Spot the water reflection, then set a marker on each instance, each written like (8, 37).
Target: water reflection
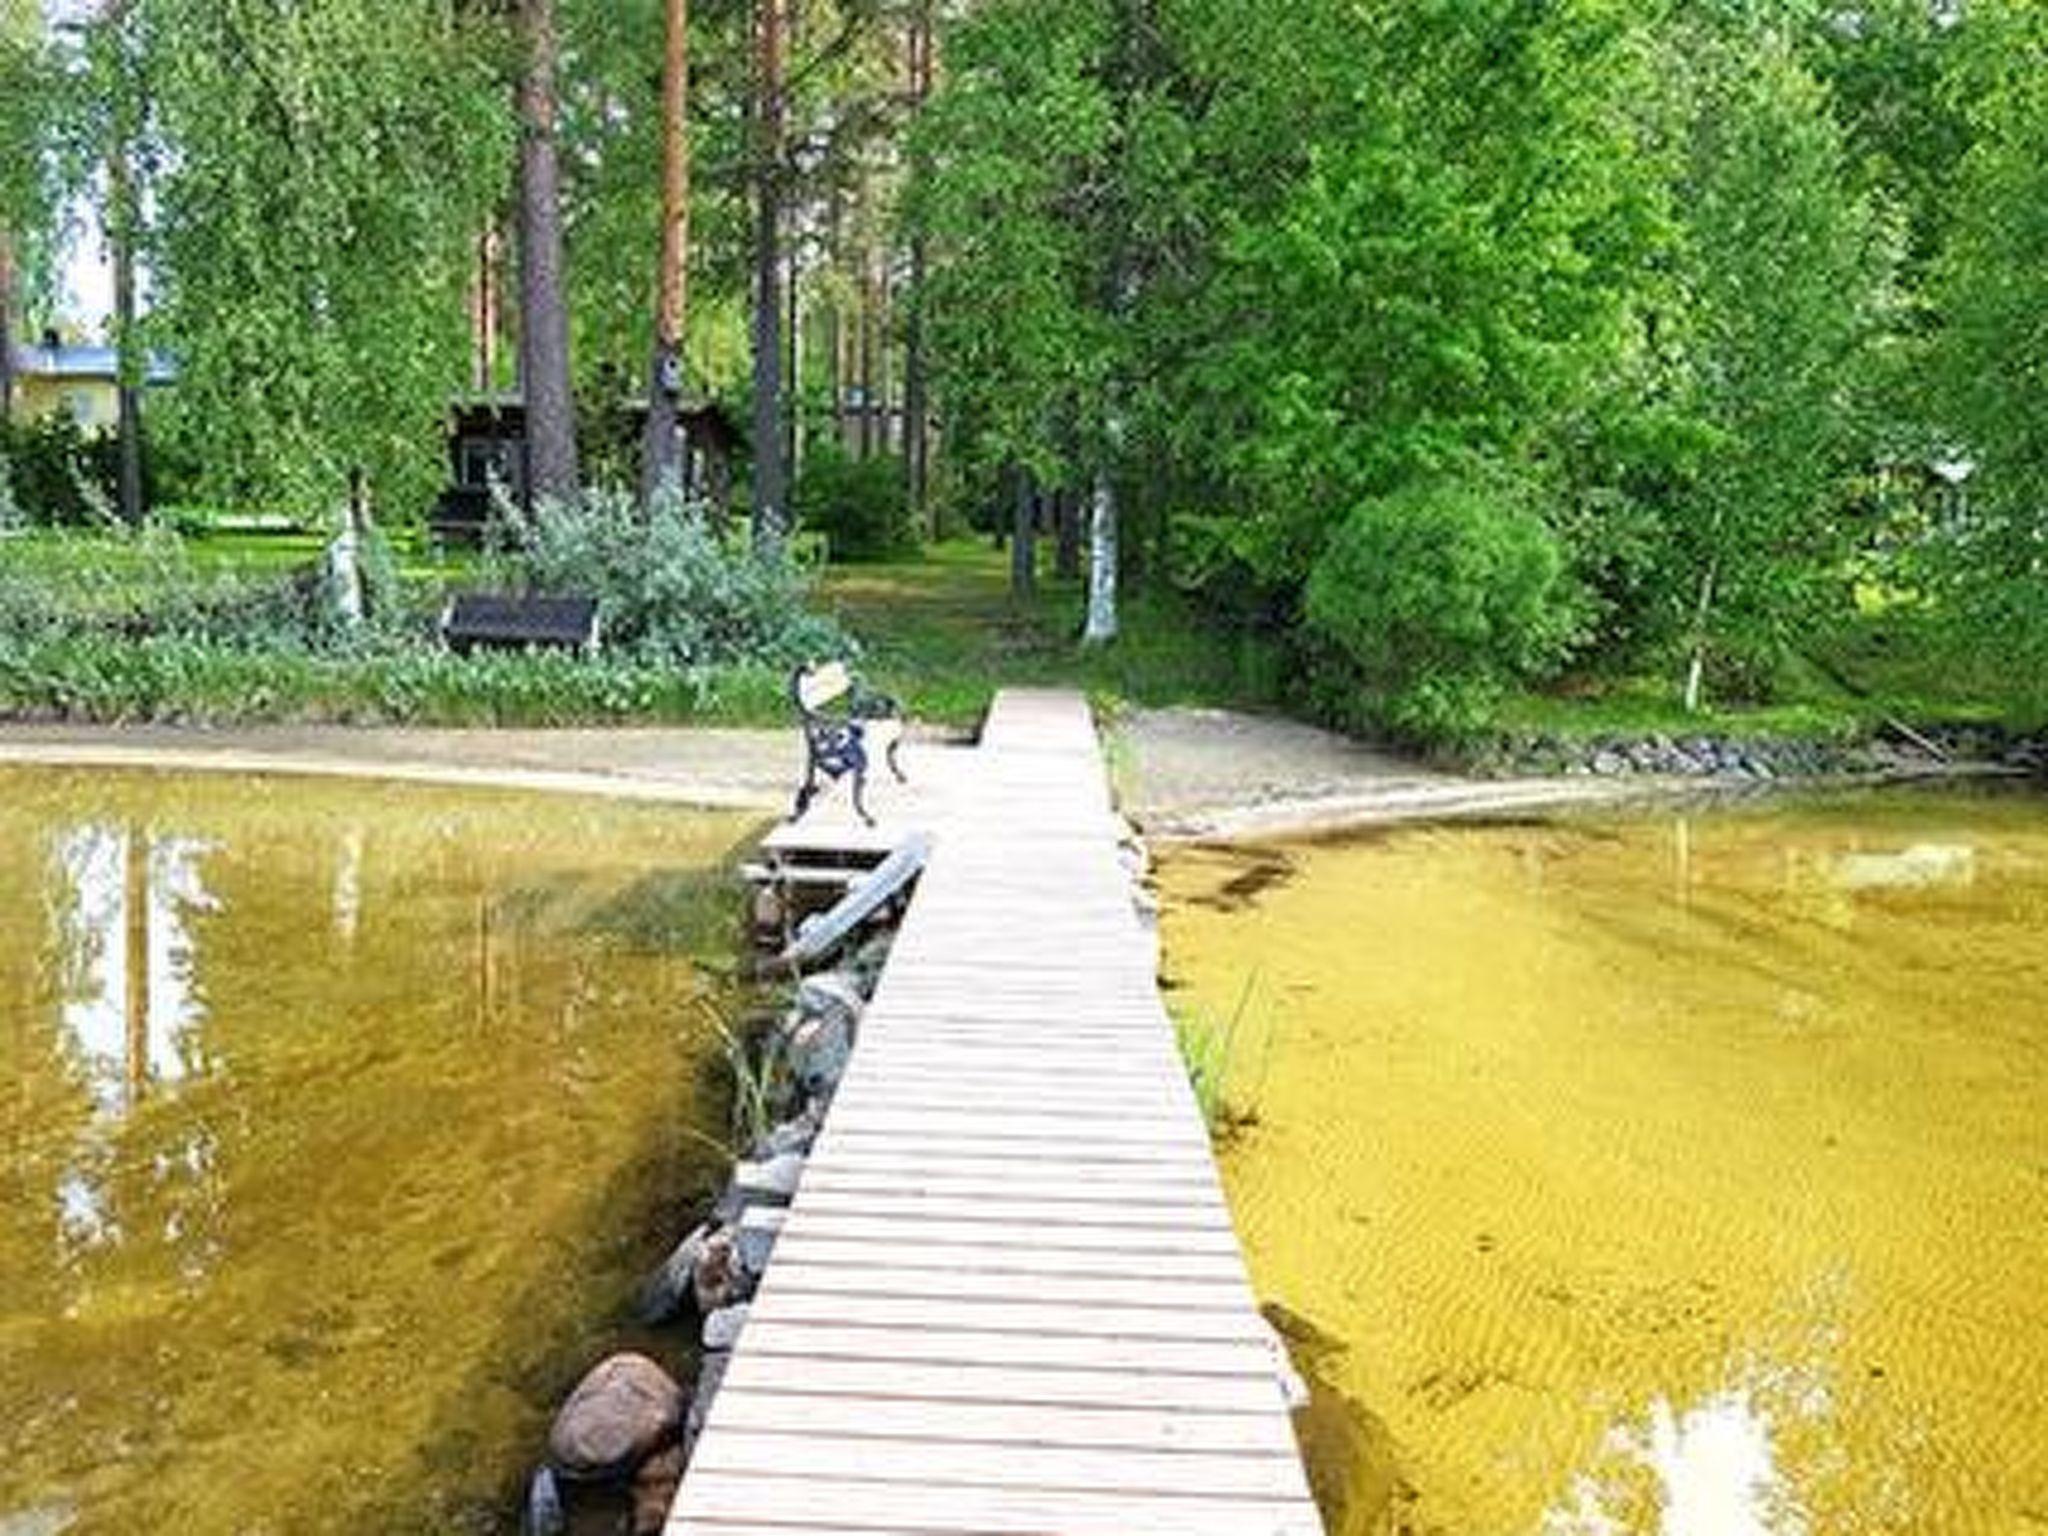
(122, 903)
(331, 1119)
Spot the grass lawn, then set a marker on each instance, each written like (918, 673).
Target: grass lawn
(942, 632)
(1883, 667)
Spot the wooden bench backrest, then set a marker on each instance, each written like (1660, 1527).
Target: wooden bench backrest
(818, 686)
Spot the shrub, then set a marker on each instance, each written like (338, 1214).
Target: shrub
(859, 505)
(59, 472)
(1431, 602)
(672, 591)
(144, 583)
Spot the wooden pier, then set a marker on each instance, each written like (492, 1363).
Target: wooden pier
(1007, 1298)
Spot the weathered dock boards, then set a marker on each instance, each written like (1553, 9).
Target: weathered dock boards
(1008, 1298)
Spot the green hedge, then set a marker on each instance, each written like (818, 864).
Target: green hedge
(177, 679)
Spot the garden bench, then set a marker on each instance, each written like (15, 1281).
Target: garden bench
(519, 621)
(839, 714)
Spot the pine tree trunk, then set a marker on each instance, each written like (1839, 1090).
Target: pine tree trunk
(1023, 542)
(770, 477)
(916, 406)
(1067, 547)
(793, 365)
(135, 960)
(543, 302)
(661, 459)
(1101, 625)
(123, 218)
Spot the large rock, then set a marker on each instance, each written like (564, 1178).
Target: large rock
(818, 1050)
(624, 1411)
(831, 994)
(544, 1514)
(772, 1182)
(654, 1490)
(796, 1134)
(868, 961)
(719, 1280)
(710, 1377)
(758, 1229)
(722, 1328)
(664, 1292)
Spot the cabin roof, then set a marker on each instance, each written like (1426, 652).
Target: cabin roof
(85, 362)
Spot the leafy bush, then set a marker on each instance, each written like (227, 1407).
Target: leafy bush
(143, 584)
(59, 472)
(1431, 602)
(178, 678)
(860, 505)
(672, 591)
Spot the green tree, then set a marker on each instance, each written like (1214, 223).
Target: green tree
(1782, 272)
(1991, 358)
(1438, 223)
(26, 198)
(319, 172)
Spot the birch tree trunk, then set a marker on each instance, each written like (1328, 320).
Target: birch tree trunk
(1696, 664)
(661, 455)
(1102, 555)
(544, 371)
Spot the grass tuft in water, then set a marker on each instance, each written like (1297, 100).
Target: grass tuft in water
(1214, 1050)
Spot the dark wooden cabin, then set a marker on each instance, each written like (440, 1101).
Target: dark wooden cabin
(487, 448)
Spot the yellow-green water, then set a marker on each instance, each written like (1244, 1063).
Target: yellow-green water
(1684, 1175)
(336, 1122)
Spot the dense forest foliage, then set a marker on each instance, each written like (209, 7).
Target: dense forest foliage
(1439, 347)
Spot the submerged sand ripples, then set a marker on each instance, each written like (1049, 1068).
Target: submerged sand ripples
(1656, 1176)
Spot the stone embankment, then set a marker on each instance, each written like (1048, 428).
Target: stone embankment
(620, 1441)
(1898, 751)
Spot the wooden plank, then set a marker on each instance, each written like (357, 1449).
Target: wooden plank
(1030, 1184)
(1019, 1152)
(755, 1503)
(1142, 1429)
(1017, 1125)
(1008, 1236)
(848, 1156)
(867, 1456)
(797, 1272)
(1042, 1321)
(819, 1245)
(1054, 1215)
(970, 1381)
(1109, 1356)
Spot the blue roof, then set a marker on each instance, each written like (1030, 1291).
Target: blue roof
(68, 362)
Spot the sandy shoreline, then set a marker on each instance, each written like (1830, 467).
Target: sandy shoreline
(1182, 775)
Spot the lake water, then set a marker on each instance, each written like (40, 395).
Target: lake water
(336, 1122)
(1670, 1174)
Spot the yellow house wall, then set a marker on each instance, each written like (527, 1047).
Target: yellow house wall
(91, 401)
